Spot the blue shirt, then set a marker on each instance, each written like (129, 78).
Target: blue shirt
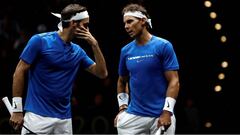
(146, 65)
(54, 65)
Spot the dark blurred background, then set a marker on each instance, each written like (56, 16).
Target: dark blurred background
(208, 57)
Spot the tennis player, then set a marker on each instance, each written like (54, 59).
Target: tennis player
(150, 66)
(51, 61)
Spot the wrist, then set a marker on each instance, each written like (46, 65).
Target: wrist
(94, 44)
(167, 112)
(17, 104)
(123, 99)
(123, 107)
(169, 104)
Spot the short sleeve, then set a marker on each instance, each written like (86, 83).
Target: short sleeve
(32, 49)
(86, 61)
(122, 68)
(170, 61)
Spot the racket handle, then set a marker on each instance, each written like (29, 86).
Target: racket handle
(7, 104)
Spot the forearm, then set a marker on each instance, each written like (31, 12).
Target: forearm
(101, 68)
(173, 89)
(17, 92)
(122, 90)
(18, 84)
(171, 96)
(19, 78)
(122, 86)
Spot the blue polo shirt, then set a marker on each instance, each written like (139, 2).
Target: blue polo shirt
(146, 65)
(54, 65)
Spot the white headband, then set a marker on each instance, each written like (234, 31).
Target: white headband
(138, 14)
(78, 16)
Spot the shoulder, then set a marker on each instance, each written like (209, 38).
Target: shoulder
(35, 39)
(128, 46)
(160, 40)
(162, 43)
(46, 40)
(39, 37)
(77, 48)
(48, 35)
(45, 34)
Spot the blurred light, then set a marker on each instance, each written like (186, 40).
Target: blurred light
(218, 26)
(221, 76)
(223, 38)
(218, 88)
(213, 15)
(208, 124)
(207, 3)
(224, 64)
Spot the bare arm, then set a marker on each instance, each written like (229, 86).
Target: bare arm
(172, 91)
(122, 87)
(19, 78)
(22, 68)
(99, 68)
(122, 84)
(173, 84)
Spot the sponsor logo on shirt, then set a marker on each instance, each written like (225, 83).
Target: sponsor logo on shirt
(141, 57)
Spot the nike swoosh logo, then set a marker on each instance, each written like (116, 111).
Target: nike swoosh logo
(15, 105)
(168, 104)
(122, 97)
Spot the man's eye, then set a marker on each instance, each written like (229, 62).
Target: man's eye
(129, 21)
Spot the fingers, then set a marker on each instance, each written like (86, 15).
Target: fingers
(16, 121)
(115, 122)
(164, 128)
(16, 125)
(82, 33)
(82, 30)
(164, 123)
(116, 119)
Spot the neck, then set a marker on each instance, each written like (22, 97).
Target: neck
(65, 35)
(143, 38)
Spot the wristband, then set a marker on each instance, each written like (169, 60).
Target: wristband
(169, 104)
(122, 99)
(17, 104)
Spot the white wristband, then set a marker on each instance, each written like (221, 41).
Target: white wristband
(17, 104)
(169, 104)
(122, 99)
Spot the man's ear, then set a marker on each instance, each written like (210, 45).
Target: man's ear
(144, 20)
(73, 23)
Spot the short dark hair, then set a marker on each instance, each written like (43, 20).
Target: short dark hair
(69, 11)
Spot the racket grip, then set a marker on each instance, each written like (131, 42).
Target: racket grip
(7, 104)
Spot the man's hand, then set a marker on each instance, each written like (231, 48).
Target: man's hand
(165, 119)
(84, 33)
(121, 109)
(16, 120)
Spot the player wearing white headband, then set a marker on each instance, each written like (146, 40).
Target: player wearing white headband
(150, 67)
(78, 16)
(51, 61)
